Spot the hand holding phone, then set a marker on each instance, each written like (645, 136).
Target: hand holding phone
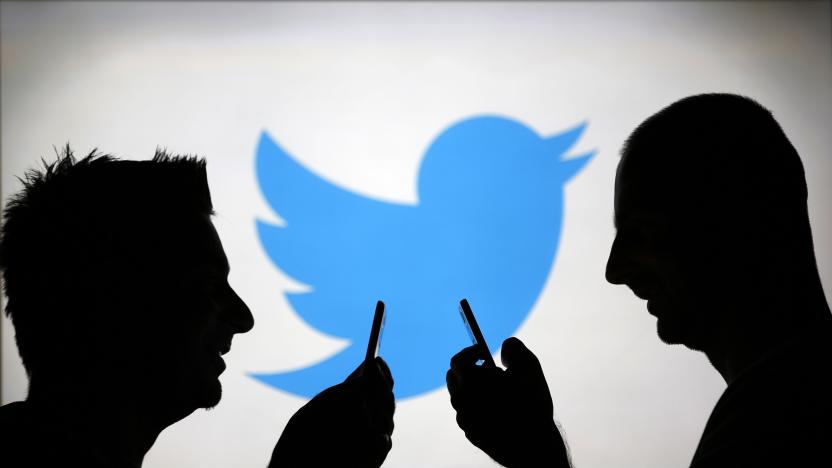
(348, 424)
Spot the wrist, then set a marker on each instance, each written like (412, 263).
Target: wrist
(544, 448)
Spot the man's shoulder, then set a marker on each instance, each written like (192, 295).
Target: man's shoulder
(13, 418)
(16, 433)
(12, 409)
(28, 442)
(776, 412)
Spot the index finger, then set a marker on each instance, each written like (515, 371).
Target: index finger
(467, 357)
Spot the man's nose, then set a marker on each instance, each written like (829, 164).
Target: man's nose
(239, 315)
(616, 263)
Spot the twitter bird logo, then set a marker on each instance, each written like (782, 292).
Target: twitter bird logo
(486, 226)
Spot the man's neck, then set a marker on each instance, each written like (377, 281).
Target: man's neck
(740, 347)
(731, 361)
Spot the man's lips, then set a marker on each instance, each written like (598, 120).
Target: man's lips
(217, 352)
(218, 364)
(224, 346)
(648, 294)
(217, 360)
(640, 291)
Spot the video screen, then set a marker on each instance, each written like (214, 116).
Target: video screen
(416, 153)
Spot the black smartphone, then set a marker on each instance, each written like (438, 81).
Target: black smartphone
(375, 331)
(474, 332)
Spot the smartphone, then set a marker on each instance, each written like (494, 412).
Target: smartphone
(375, 332)
(474, 332)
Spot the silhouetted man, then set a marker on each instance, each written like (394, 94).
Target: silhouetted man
(713, 231)
(117, 288)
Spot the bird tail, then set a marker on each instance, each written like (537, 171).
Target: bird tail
(570, 167)
(561, 143)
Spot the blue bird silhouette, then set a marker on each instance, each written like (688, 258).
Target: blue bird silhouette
(486, 227)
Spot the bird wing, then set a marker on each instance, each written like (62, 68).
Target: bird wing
(335, 240)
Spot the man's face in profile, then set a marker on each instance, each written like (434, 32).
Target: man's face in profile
(656, 253)
(200, 314)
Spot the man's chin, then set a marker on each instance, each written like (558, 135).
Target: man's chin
(675, 333)
(667, 334)
(210, 395)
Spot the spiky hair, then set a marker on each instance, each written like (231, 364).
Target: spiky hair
(79, 224)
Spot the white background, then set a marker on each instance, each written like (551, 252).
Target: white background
(356, 92)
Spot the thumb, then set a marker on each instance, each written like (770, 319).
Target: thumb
(524, 366)
(516, 355)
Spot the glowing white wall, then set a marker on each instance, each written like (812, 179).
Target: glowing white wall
(356, 91)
